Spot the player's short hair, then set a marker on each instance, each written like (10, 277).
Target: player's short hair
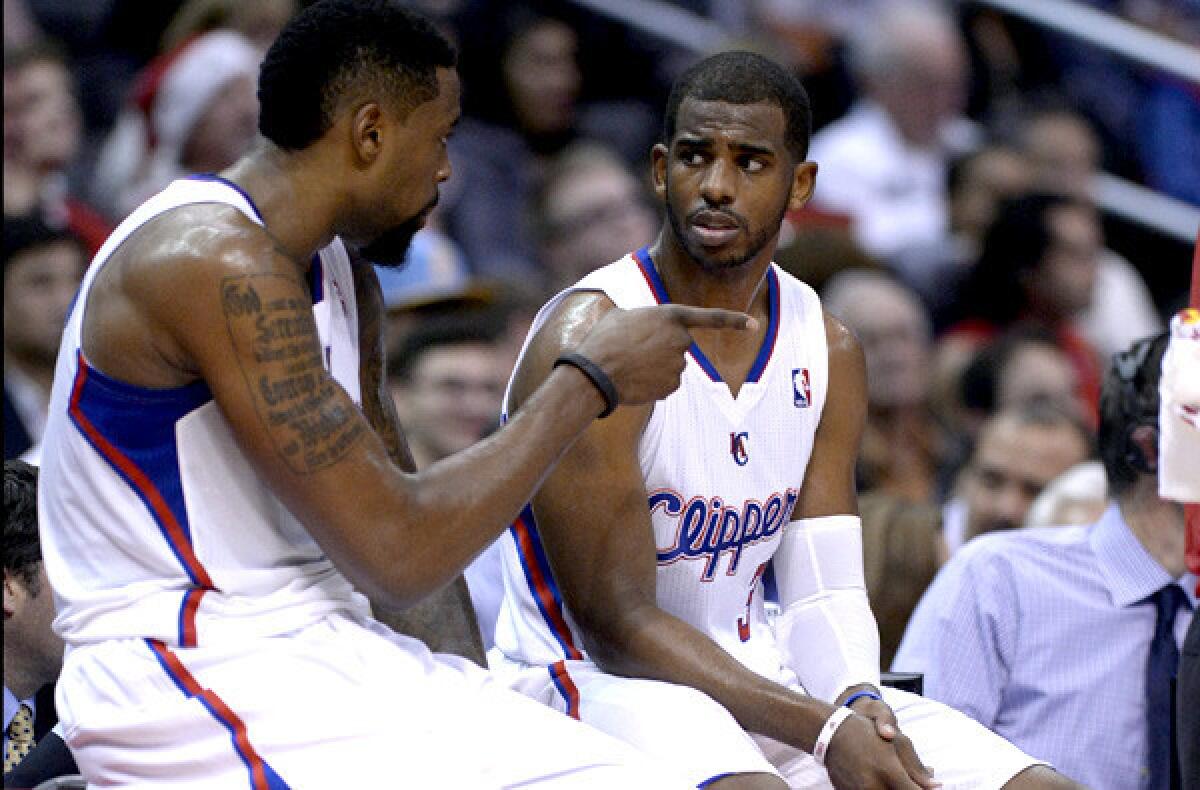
(741, 77)
(338, 48)
(22, 553)
(1129, 398)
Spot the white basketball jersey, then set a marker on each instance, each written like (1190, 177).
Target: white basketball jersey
(721, 474)
(153, 523)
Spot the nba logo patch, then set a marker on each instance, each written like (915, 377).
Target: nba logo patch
(801, 394)
(737, 447)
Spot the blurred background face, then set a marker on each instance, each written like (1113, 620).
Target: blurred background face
(42, 122)
(451, 399)
(990, 177)
(1064, 152)
(39, 285)
(1012, 463)
(543, 77)
(927, 88)
(225, 129)
(1037, 372)
(1064, 281)
(895, 338)
(594, 216)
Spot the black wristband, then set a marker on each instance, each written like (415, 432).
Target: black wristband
(597, 376)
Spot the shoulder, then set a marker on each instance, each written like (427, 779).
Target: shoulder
(174, 267)
(197, 239)
(1024, 556)
(562, 324)
(844, 348)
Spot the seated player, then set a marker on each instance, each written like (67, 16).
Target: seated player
(641, 558)
(224, 477)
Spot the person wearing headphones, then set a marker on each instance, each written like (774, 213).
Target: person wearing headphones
(1065, 640)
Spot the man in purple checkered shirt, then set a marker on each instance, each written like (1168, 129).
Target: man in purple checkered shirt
(1063, 639)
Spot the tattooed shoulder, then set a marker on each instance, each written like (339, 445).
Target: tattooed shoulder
(311, 421)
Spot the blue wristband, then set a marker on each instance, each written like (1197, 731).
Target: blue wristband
(859, 695)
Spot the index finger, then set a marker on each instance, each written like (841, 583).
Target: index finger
(710, 317)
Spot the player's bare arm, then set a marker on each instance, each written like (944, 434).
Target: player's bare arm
(594, 523)
(222, 303)
(445, 621)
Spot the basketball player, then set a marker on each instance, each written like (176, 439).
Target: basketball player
(642, 556)
(214, 500)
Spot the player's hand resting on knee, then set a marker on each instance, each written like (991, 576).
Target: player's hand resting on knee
(859, 759)
(889, 729)
(642, 350)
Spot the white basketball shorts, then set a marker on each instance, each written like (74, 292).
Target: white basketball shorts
(341, 703)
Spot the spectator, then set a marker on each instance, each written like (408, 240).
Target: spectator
(1008, 631)
(903, 447)
(523, 82)
(42, 270)
(193, 111)
(1038, 266)
(884, 163)
(1019, 452)
(42, 128)
(32, 651)
(1065, 153)
(258, 20)
(446, 385)
(977, 183)
(590, 211)
(447, 382)
(1022, 365)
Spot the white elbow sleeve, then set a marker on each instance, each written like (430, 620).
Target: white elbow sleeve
(826, 629)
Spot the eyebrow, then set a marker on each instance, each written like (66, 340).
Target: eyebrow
(741, 147)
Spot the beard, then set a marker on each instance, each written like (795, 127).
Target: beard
(390, 248)
(723, 263)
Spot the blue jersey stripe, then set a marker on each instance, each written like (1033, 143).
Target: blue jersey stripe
(134, 431)
(236, 188)
(659, 289)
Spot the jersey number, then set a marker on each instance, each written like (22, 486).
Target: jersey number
(743, 623)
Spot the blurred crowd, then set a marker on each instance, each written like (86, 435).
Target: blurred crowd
(954, 227)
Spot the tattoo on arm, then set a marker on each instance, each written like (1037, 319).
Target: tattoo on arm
(311, 422)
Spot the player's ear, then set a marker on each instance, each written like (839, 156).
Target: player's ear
(366, 131)
(804, 179)
(658, 164)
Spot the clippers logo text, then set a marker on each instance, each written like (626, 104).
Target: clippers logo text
(707, 528)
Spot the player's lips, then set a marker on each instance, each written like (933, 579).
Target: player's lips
(714, 228)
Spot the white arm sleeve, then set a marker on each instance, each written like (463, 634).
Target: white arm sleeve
(826, 629)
